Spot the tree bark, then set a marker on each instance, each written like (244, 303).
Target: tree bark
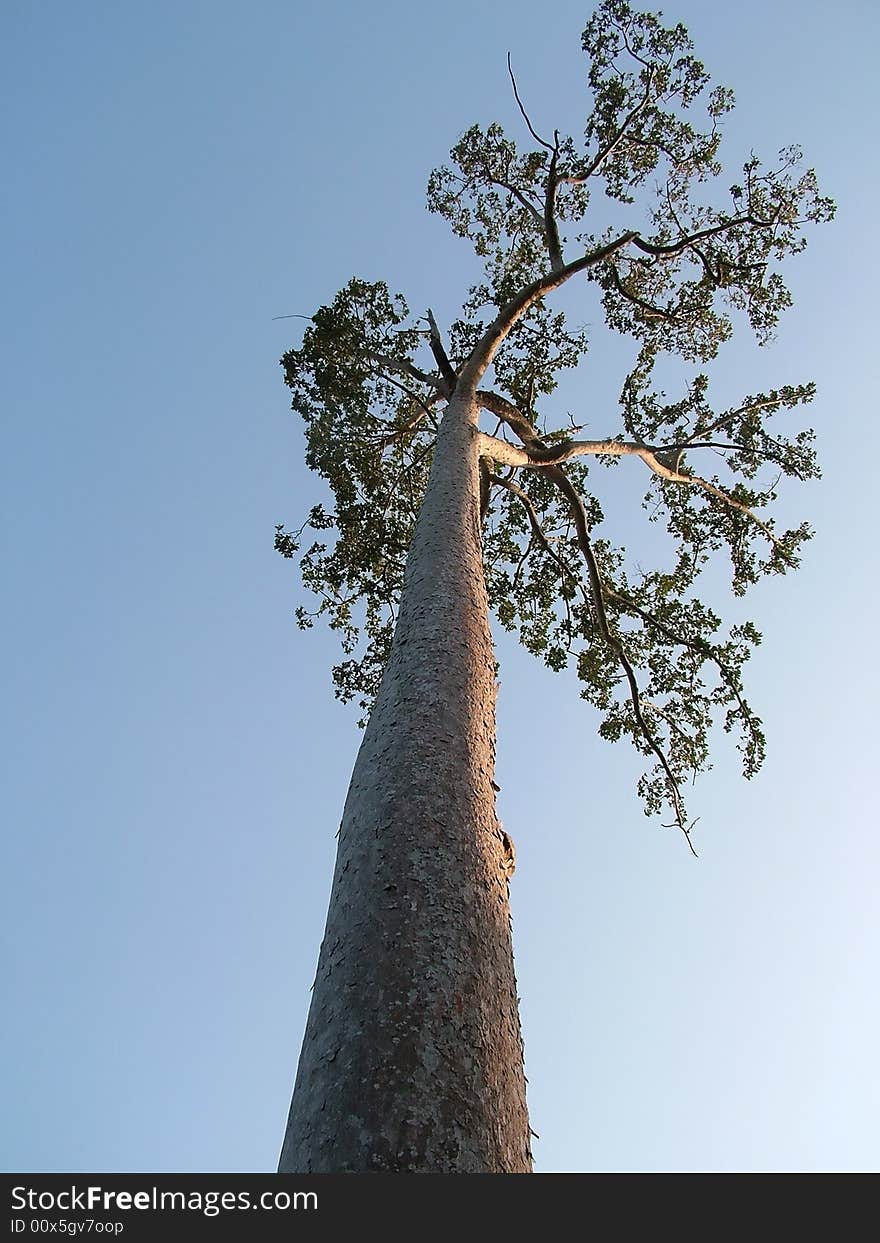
(412, 1058)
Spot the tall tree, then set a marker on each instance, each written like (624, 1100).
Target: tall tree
(412, 1058)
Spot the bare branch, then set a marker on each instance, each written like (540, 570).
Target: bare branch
(525, 115)
(547, 455)
(439, 351)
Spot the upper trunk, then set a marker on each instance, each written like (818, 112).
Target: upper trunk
(412, 1057)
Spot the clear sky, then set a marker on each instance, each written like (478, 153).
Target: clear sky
(175, 175)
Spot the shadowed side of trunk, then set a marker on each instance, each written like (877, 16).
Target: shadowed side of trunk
(412, 1057)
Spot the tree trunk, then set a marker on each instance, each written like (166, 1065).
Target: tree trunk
(412, 1057)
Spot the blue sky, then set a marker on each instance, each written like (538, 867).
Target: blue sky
(176, 175)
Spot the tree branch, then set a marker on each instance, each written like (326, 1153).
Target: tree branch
(551, 229)
(525, 115)
(525, 428)
(651, 311)
(520, 198)
(442, 358)
(538, 454)
(535, 523)
(702, 648)
(546, 455)
(412, 423)
(674, 476)
(516, 307)
(538, 534)
(403, 367)
(513, 310)
(613, 641)
(601, 156)
(750, 408)
(670, 249)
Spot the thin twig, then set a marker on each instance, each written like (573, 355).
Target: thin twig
(536, 137)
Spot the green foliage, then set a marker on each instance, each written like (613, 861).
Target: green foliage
(370, 436)
(674, 264)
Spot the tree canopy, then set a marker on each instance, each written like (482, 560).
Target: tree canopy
(638, 205)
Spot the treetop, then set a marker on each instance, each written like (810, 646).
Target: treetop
(677, 257)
